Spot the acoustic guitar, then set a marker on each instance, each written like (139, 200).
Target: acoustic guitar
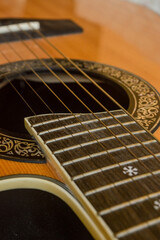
(79, 136)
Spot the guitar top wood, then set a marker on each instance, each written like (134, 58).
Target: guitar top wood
(117, 33)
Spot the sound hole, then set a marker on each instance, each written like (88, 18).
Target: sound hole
(38, 215)
(14, 108)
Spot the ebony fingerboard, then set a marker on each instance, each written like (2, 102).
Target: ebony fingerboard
(113, 162)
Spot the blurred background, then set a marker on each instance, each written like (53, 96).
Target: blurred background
(152, 4)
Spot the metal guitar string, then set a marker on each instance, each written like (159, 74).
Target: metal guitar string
(85, 74)
(66, 71)
(20, 94)
(22, 77)
(79, 69)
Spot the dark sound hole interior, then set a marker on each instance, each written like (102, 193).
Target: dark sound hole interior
(14, 109)
(38, 215)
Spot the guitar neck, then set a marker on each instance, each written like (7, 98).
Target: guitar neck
(111, 164)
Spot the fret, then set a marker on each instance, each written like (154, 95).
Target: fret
(89, 145)
(136, 213)
(70, 127)
(81, 140)
(155, 221)
(78, 128)
(85, 166)
(97, 133)
(148, 233)
(100, 131)
(69, 119)
(102, 160)
(99, 180)
(76, 151)
(78, 125)
(116, 169)
(114, 196)
(75, 120)
(105, 187)
(48, 118)
(124, 205)
(142, 135)
(75, 124)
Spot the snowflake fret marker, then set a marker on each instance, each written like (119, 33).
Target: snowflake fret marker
(157, 204)
(130, 171)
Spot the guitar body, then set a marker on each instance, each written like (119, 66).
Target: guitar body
(115, 33)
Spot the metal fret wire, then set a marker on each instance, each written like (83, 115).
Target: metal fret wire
(127, 129)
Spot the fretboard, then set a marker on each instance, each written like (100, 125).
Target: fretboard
(111, 164)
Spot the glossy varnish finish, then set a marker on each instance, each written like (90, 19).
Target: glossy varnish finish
(115, 32)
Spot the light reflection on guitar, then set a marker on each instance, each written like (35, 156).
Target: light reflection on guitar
(112, 34)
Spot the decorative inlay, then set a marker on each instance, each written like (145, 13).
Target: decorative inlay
(147, 102)
(157, 204)
(20, 148)
(147, 110)
(130, 171)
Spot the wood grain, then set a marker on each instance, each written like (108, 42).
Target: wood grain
(115, 32)
(105, 188)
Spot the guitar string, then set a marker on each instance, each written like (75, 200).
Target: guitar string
(80, 70)
(20, 95)
(115, 186)
(30, 37)
(22, 77)
(92, 80)
(88, 77)
(118, 139)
